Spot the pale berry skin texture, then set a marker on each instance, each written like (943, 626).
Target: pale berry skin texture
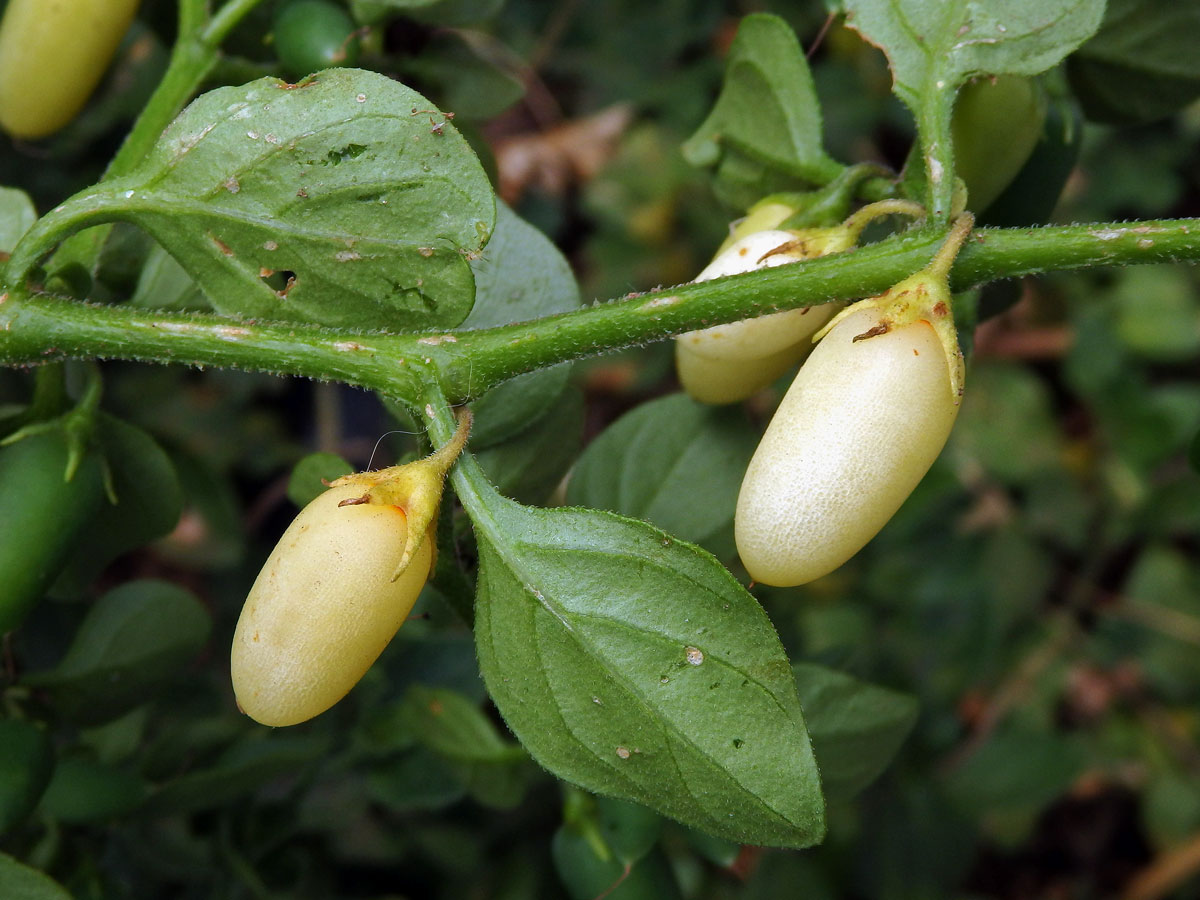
(858, 429)
(727, 363)
(324, 607)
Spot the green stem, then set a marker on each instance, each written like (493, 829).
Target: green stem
(937, 149)
(193, 56)
(41, 328)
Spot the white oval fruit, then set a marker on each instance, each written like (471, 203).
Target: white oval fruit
(858, 429)
(324, 607)
(727, 363)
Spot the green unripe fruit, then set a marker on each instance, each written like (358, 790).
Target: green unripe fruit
(43, 516)
(997, 123)
(311, 35)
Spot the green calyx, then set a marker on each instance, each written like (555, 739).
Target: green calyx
(921, 297)
(414, 487)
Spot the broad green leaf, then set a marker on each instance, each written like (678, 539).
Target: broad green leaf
(20, 882)
(648, 463)
(766, 123)
(149, 502)
(131, 642)
(520, 275)
(16, 215)
(634, 665)
(344, 200)
(309, 475)
(1142, 63)
(856, 728)
(26, 764)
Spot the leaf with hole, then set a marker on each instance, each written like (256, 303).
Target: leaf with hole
(345, 200)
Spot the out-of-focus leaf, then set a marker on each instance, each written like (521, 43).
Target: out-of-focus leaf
(451, 13)
(520, 275)
(587, 874)
(85, 791)
(20, 882)
(1141, 65)
(1158, 312)
(856, 728)
(245, 767)
(165, 284)
(135, 638)
(17, 213)
(149, 502)
(417, 780)
(26, 764)
(471, 84)
(531, 464)
(310, 474)
(1006, 424)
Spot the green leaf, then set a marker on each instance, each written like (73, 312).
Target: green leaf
(244, 767)
(17, 213)
(452, 13)
(149, 503)
(520, 276)
(634, 665)
(453, 726)
(464, 67)
(420, 780)
(529, 465)
(165, 284)
(19, 882)
(343, 200)
(131, 642)
(26, 764)
(309, 475)
(648, 463)
(856, 728)
(587, 875)
(1141, 65)
(935, 45)
(85, 791)
(766, 122)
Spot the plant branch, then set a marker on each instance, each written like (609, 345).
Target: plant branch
(36, 328)
(192, 58)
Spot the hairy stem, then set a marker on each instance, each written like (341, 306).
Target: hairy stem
(37, 328)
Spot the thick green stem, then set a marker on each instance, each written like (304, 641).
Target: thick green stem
(193, 56)
(937, 149)
(41, 328)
